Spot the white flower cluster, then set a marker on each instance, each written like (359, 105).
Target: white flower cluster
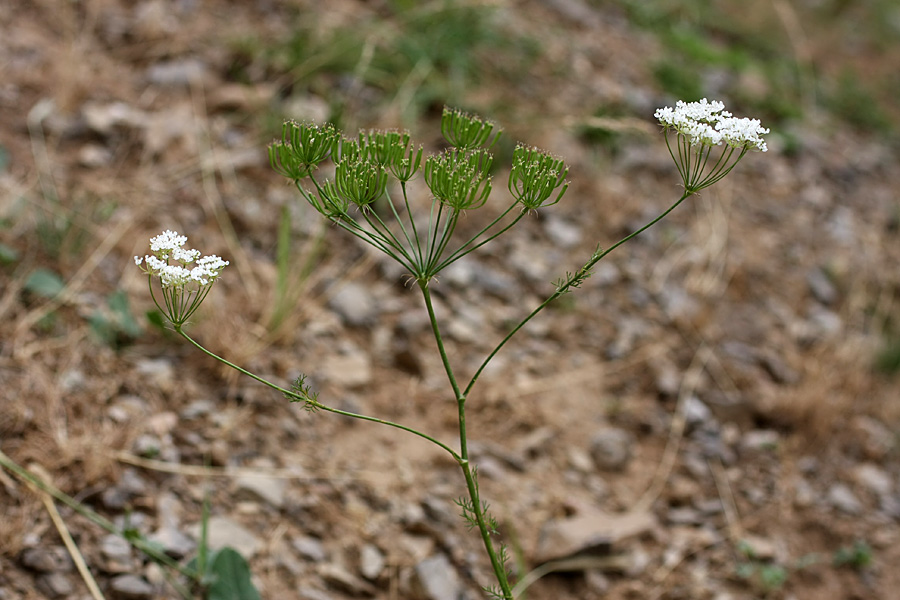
(709, 124)
(170, 246)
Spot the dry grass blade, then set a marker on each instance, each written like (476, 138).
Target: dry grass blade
(71, 546)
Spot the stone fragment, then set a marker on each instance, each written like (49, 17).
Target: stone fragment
(355, 304)
(350, 370)
(760, 440)
(222, 532)
(55, 585)
(117, 552)
(437, 579)
(563, 233)
(696, 413)
(611, 449)
(339, 577)
(46, 560)
(267, 489)
(821, 286)
(180, 72)
(131, 587)
(593, 532)
(873, 478)
(309, 548)
(371, 562)
(842, 498)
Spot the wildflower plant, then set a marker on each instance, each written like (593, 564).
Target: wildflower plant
(376, 167)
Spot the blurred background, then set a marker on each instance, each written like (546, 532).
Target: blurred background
(718, 404)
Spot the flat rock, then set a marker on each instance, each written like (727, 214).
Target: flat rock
(55, 585)
(437, 579)
(350, 370)
(873, 478)
(592, 532)
(222, 532)
(355, 304)
(267, 489)
(46, 560)
(339, 577)
(131, 587)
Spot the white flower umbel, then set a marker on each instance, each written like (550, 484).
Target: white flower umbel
(698, 128)
(183, 287)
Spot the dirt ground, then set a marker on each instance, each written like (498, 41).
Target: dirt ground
(712, 415)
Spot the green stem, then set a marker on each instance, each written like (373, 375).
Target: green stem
(562, 289)
(463, 460)
(314, 403)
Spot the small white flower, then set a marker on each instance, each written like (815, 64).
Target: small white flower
(707, 123)
(183, 288)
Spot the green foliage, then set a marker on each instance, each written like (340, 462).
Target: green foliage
(117, 324)
(417, 54)
(756, 61)
(8, 254)
(851, 100)
(857, 557)
(231, 577)
(226, 576)
(44, 283)
(888, 358)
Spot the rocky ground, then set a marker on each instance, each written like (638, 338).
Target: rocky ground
(702, 419)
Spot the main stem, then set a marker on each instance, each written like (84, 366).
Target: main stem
(463, 460)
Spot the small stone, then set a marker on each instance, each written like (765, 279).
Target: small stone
(371, 562)
(804, 495)
(222, 531)
(55, 585)
(437, 579)
(350, 370)
(181, 72)
(876, 439)
(696, 413)
(93, 156)
(684, 515)
(589, 532)
(760, 440)
(174, 543)
(309, 548)
(777, 368)
(611, 449)
(197, 409)
(115, 549)
(561, 232)
(46, 560)
(268, 489)
(873, 478)
(842, 498)
(131, 587)
(759, 548)
(580, 460)
(159, 372)
(821, 287)
(355, 304)
(339, 577)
